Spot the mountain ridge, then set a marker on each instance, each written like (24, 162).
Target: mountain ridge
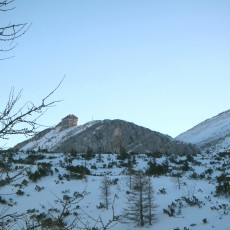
(106, 136)
(212, 133)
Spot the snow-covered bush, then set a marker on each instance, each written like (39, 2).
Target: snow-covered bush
(223, 187)
(43, 169)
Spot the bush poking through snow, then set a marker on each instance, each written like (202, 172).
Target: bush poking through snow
(205, 221)
(223, 187)
(43, 170)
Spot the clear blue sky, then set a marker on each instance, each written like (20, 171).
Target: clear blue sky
(162, 64)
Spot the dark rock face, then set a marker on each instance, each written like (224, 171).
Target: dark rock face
(112, 135)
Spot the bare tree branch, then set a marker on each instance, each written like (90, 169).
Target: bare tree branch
(4, 5)
(98, 222)
(9, 33)
(24, 119)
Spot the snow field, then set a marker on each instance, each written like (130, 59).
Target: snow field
(52, 188)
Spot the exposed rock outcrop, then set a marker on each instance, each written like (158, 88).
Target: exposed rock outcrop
(67, 122)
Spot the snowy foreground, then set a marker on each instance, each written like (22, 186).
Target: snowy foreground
(29, 195)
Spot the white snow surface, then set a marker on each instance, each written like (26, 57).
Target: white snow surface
(215, 129)
(54, 137)
(191, 217)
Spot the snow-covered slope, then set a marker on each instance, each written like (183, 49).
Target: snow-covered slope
(213, 133)
(54, 138)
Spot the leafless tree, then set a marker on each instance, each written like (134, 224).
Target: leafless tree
(9, 33)
(150, 206)
(7, 220)
(105, 191)
(140, 201)
(62, 215)
(179, 180)
(16, 120)
(24, 119)
(98, 223)
(130, 173)
(67, 214)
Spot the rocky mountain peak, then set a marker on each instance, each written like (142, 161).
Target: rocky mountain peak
(67, 122)
(108, 136)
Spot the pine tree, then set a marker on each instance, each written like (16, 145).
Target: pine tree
(123, 154)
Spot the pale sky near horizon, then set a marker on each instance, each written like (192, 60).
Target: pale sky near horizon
(162, 64)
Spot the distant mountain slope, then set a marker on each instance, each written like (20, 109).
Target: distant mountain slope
(213, 133)
(106, 136)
